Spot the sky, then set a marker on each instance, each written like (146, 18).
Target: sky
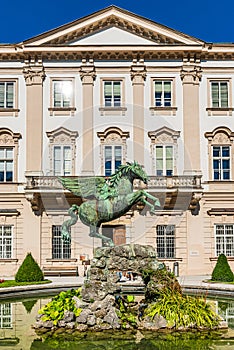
(211, 21)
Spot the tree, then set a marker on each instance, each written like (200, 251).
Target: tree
(29, 271)
(222, 271)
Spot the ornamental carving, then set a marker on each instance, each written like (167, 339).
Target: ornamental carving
(191, 74)
(138, 74)
(34, 72)
(8, 138)
(87, 74)
(220, 135)
(164, 135)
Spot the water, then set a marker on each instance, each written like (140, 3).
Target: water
(18, 316)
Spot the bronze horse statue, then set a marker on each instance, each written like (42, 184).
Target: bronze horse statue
(105, 199)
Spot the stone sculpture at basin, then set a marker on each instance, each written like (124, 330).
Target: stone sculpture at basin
(106, 199)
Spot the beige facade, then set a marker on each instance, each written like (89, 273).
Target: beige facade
(106, 89)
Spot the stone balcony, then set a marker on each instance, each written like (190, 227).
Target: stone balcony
(174, 192)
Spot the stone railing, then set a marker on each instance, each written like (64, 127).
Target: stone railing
(155, 182)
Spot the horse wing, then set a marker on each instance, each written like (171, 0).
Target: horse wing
(85, 187)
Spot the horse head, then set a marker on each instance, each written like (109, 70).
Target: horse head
(138, 172)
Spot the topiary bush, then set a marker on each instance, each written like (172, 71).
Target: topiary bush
(222, 271)
(29, 271)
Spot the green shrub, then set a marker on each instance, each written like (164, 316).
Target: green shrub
(222, 271)
(29, 271)
(54, 310)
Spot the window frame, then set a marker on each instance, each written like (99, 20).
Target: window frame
(112, 136)
(112, 110)
(220, 170)
(62, 245)
(220, 110)
(62, 110)
(162, 109)
(8, 139)
(167, 253)
(113, 158)
(4, 256)
(220, 136)
(14, 110)
(5, 160)
(224, 249)
(164, 159)
(62, 160)
(62, 137)
(5, 316)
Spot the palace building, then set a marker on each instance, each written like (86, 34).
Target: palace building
(106, 89)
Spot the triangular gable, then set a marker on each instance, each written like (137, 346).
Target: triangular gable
(97, 27)
(113, 35)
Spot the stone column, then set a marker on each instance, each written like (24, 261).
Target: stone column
(87, 75)
(138, 75)
(34, 76)
(191, 75)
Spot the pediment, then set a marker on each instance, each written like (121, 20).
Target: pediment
(112, 26)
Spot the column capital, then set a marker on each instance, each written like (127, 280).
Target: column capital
(138, 74)
(191, 74)
(87, 72)
(34, 72)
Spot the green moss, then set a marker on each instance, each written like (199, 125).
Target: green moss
(29, 271)
(222, 271)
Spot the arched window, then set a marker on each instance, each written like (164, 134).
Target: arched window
(164, 151)
(8, 155)
(113, 149)
(62, 151)
(220, 150)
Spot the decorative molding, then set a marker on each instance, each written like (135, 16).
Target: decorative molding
(220, 135)
(113, 136)
(138, 72)
(191, 74)
(87, 72)
(34, 72)
(9, 138)
(109, 22)
(164, 135)
(62, 136)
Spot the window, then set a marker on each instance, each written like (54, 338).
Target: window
(62, 160)
(113, 159)
(7, 89)
(6, 242)
(221, 162)
(112, 93)
(5, 315)
(162, 93)
(165, 241)
(62, 93)
(164, 160)
(219, 94)
(62, 151)
(60, 250)
(6, 164)
(113, 149)
(224, 235)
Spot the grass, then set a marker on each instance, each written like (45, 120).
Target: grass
(13, 283)
(221, 282)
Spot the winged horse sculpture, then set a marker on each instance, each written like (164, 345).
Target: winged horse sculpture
(105, 199)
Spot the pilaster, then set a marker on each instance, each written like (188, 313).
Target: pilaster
(138, 76)
(191, 75)
(34, 76)
(87, 75)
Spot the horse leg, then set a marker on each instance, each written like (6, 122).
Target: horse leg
(154, 199)
(94, 232)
